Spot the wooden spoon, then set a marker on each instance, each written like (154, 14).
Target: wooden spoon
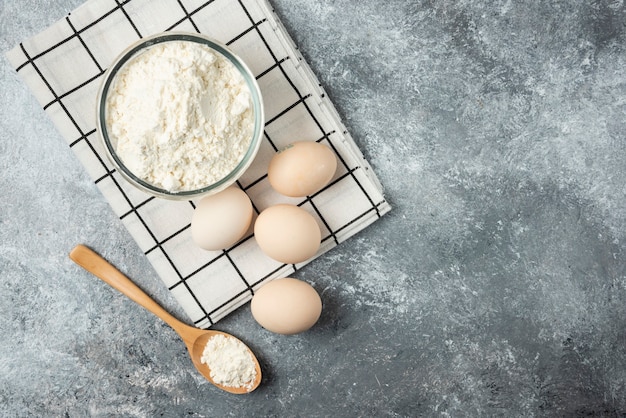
(195, 339)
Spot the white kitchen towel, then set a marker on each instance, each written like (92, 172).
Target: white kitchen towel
(63, 66)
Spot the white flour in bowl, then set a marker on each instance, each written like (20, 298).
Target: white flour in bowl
(180, 116)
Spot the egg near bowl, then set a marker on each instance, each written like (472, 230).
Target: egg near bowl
(302, 168)
(220, 220)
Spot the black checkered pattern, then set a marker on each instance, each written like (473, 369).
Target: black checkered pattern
(64, 65)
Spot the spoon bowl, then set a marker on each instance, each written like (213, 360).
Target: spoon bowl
(194, 338)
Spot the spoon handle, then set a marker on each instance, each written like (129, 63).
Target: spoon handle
(98, 266)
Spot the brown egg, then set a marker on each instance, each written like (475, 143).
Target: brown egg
(302, 168)
(287, 233)
(286, 306)
(220, 220)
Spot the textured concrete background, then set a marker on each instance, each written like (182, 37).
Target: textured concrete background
(496, 286)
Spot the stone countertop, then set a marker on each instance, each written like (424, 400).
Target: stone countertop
(496, 285)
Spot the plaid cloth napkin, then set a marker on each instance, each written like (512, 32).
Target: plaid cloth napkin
(63, 66)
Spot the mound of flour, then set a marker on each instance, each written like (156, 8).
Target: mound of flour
(180, 116)
(229, 361)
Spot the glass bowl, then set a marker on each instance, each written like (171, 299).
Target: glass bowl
(110, 147)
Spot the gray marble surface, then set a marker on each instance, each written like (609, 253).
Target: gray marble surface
(495, 287)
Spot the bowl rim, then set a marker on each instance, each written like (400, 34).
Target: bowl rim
(146, 42)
